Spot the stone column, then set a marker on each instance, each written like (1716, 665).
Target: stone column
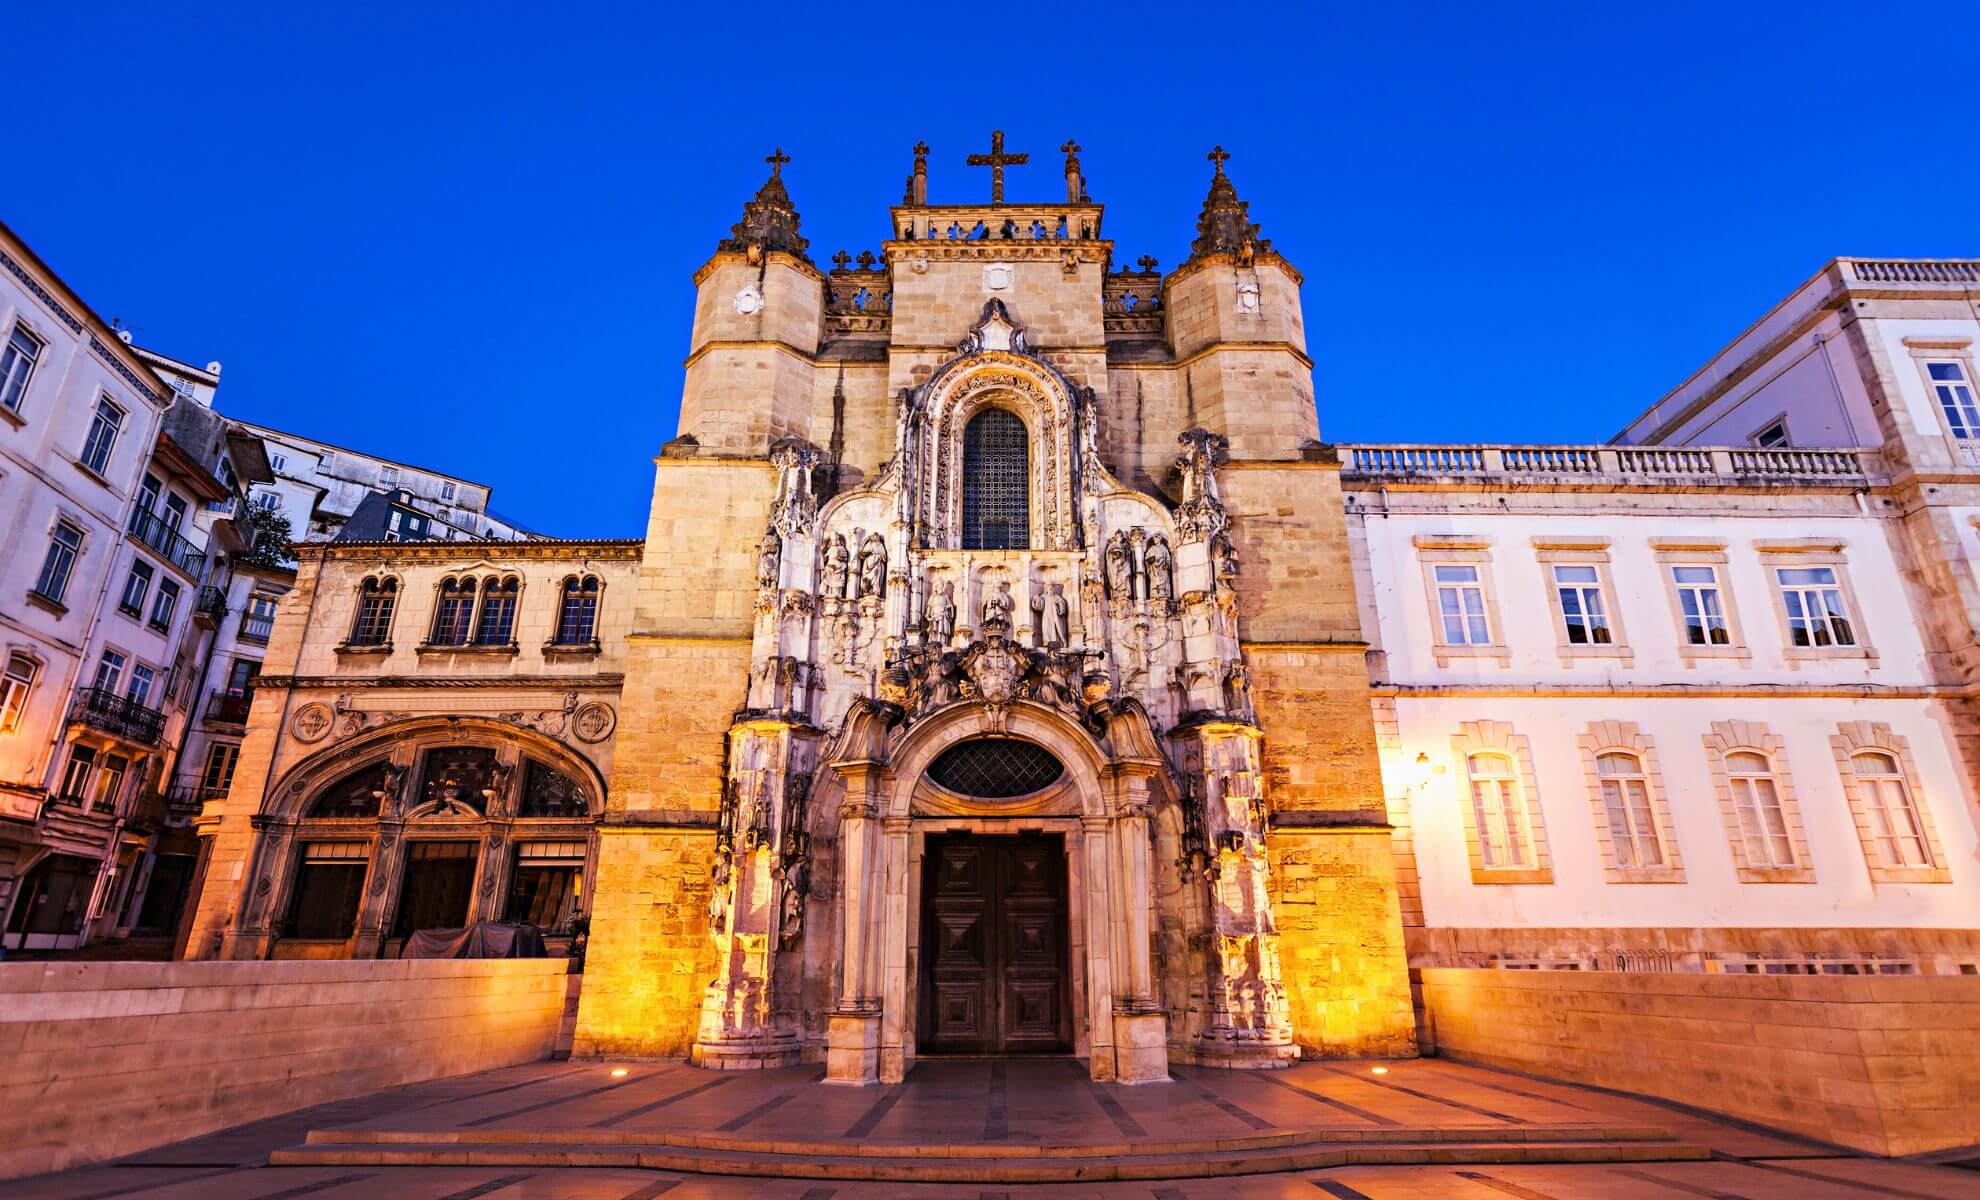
(1141, 1052)
(853, 1028)
(1102, 939)
(890, 937)
(381, 889)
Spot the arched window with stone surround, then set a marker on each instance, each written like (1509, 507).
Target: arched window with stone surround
(996, 482)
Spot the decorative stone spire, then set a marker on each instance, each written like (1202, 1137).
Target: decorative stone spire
(1225, 226)
(769, 221)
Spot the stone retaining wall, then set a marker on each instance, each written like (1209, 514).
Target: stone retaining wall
(99, 1060)
(1887, 1064)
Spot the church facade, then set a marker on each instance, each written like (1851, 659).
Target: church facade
(1009, 667)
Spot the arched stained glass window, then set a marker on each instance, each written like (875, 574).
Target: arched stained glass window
(996, 482)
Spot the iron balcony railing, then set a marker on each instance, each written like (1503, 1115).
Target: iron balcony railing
(119, 716)
(256, 629)
(185, 800)
(212, 603)
(146, 527)
(231, 707)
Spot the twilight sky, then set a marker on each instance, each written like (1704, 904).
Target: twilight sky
(465, 239)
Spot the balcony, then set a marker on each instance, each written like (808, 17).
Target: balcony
(230, 707)
(146, 527)
(256, 629)
(1642, 466)
(184, 801)
(211, 607)
(118, 716)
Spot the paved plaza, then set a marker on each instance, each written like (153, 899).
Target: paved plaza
(987, 1128)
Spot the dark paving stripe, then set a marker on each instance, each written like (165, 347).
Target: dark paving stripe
(573, 1098)
(1378, 1081)
(871, 1121)
(1202, 1089)
(770, 1105)
(1128, 1126)
(1674, 1185)
(819, 1193)
(1272, 1078)
(1340, 1190)
(153, 1186)
(654, 1189)
(1875, 1189)
(1171, 1194)
(1509, 1188)
(493, 1185)
(494, 1091)
(1513, 1091)
(307, 1188)
(997, 1117)
(664, 1101)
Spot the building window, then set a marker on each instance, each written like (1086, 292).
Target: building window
(454, 616)
(136, 586)
(267, 501)
(1771, 436)
(75, 778)
(1757, 800)
(1812, 599)
(63, 548)
(329, 884)
(1632, 814)
(1500, 805)
(548, 792)
(1701, 605)
(996, 482)
(110, 782)
(109, 671)
(17, 363)
(1461, 606)
(218, 774)
(1757, 803)
(103, 430)
(139, 691)
(497, 624)
(1632, 819)
(548, 879)
(577, 614)
(1880, 781)
(163, 607)
(1954, 392)
(1578, 588)
(376, 599)
(1894, 825)
(447, 490)
(280, 462)
(355, 796)
(259, 620)
(1496, 807)
(388, 477)
(15, 687)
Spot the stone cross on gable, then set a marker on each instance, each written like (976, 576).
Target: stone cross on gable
(997, 160)
(777, 158)
(1218, 156)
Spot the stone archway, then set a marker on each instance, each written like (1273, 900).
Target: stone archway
(1100, 809)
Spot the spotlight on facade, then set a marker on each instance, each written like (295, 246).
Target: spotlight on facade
(618, 1072)
(1378, 1070)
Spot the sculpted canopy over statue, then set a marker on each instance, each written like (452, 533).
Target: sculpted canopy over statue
(1049, 616)
(942, 613)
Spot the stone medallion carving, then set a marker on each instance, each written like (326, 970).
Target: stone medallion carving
(311, 723)
(748, 299)
(594, 722)
(996, 277)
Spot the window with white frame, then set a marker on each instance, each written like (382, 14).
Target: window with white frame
(1812, 599)
(64, 545)
(1954, 393)
(1895, 825)
(1499, 810)
(16, 685)
(1461, 605)
(1701, 604)
(218, 774)
(1771, 436)
(1632, 816)
(75, 777)
(104, 426)
(139, 691)
(17, 363)
(1757, 802)
(163, 606)
(268, 501)
(280, 462)
(137, 585)
(109, 671)
(447, 490)
(388, 477)
(1584, 615)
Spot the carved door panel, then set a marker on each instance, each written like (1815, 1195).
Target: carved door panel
(993, 946)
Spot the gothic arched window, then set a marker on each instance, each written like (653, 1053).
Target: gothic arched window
(996, 482)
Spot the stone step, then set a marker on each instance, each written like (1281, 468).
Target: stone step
(1149, 1160)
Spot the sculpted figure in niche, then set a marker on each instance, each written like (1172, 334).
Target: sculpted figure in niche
(873, 566)
(1120, 568)
(942, 613)
(767, 558)
(1226, 560)
(1156, 558)
(838, 561)
(1049, 616)
(997, 605)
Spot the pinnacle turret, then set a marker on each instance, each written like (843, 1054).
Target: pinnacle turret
(770, 220)
(1225, 225)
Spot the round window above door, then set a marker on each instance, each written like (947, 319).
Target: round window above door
(994, 768)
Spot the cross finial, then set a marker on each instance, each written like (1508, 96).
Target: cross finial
(1219, 156)
(840, 260)
(1071, 147)
(997, 160)
(777, 158)
(1145, 262)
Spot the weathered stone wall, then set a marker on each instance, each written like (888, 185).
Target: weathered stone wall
(1887, 1065)
(106, 1059)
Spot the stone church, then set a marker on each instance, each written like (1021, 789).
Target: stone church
(989, 680)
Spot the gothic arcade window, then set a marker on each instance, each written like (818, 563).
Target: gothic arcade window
(354, 797)
(497, 625)
(458, 775)
(996, 482)
(376, 600)
(577, 612)
(548, 792)
(454, 615)
(995, 768)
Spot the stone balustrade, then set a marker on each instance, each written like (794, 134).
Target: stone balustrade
(1912, 270)
(1656, 465)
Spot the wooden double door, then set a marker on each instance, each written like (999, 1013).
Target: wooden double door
(993, 959)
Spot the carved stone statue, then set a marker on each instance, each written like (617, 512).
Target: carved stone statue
(1049, 612)
(1120, 568)
(838, 562)
(997, 605)
(768, 556)
(1158, 561)
(1225, 559)
(873, 566)
(942, 614)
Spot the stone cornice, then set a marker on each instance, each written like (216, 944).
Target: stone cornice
(987, 250)
(1672, 691)
(797, 352)
(1226, 259)
(1214, 348)
(776, 258)
(603, 681)
(534, 549)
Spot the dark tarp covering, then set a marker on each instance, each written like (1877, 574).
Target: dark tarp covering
(483, 939)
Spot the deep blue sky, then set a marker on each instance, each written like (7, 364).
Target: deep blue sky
(466, 240)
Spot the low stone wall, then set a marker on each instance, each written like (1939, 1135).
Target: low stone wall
(1887, 1064)
(99, 1060)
